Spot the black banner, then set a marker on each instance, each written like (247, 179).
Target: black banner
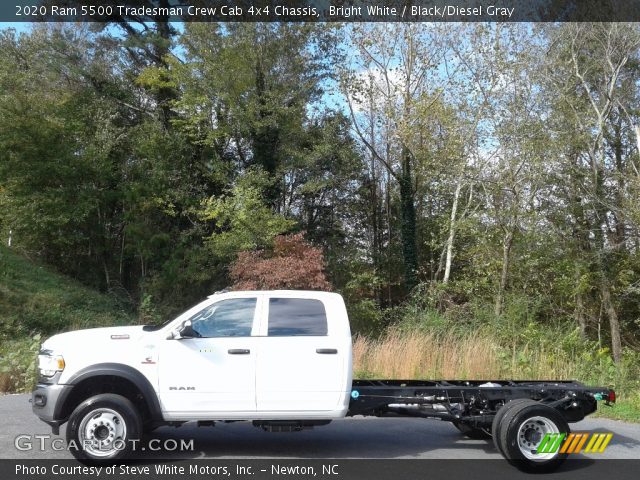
(320, 10)
(334, 469)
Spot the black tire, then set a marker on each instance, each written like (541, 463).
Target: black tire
(472, 432)
(527, 417)
(104, 429)
(495, 426)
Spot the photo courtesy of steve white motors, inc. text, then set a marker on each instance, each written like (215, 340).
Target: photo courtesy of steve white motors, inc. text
(228, 470)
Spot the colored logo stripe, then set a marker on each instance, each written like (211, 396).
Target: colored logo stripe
(551, 442)
(574, 442)
(598, 442)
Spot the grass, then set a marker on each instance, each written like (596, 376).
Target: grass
(35, 301)
(626, 409)
(410, 355)
(420, 355)
(34, 298)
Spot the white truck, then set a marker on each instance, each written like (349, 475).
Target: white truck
(281, 359)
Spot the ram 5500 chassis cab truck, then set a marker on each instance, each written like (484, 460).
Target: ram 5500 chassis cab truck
(281, 359)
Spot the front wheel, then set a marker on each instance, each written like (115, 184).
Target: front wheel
(522, 430)
(103, 429)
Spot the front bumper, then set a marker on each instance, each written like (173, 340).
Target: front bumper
(46, 403)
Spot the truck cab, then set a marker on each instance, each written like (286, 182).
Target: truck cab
(256, 355)
(240, 355)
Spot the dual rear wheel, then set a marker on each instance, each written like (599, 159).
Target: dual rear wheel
(518, 430)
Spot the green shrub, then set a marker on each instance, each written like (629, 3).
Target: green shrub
(18, 364)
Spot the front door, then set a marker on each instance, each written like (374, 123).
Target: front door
(215, 372)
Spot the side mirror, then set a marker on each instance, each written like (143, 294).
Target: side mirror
(183, 331)
(187, 331)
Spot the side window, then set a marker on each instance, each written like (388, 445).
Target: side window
(296, 316)
(227, 318)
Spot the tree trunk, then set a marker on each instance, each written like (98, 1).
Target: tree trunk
(409, 249)
(618, 215)
(636, 129)
(579, 312)
(614, 323)
(266, 138)
(165, 95)
(506, 258)
(107, 278)
(452, 233)
(375, 207)
(388, 214)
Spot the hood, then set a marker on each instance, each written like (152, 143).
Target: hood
(93, 338)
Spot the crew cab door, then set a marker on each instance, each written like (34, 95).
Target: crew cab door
(216, 371)
(300, 365)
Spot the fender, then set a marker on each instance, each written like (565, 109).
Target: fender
(115, 370)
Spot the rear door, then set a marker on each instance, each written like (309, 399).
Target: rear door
(300, 365)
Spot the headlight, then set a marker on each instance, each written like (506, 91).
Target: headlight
(49, 363)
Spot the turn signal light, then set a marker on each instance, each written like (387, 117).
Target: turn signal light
(60, 364)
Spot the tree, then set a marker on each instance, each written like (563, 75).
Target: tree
(592, 68)
(240, 218)
(61, 142)
(247, 87)
(292, 264)
(397, 65)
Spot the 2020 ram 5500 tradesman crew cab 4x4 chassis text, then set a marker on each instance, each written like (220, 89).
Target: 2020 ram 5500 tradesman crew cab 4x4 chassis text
(281, 359)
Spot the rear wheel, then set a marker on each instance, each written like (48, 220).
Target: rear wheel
(495, 433)
(521, 431)
(103, 429)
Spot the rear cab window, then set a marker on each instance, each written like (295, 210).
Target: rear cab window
(291, 317)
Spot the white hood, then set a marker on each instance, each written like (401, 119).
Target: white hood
(110, 337)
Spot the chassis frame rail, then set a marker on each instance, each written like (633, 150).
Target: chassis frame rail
(473, 402)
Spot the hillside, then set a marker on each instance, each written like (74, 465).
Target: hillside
(35, 299)
(36, 302)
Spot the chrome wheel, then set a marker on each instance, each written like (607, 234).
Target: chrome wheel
(531, 433)
(102, 432)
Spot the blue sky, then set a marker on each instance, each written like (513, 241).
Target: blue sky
(19, 26)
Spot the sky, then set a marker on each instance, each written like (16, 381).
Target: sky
(19, 26)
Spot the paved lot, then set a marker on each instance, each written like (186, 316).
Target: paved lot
(392, 438)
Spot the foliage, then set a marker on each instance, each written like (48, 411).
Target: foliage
(18, 364)
(426, 343)
(242, 220)
(292, 264)
(36, 300)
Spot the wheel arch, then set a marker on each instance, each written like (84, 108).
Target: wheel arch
(110, 378)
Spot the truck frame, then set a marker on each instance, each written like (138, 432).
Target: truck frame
(145, 377)
(494, 409)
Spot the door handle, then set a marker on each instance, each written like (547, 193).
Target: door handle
(327, 351)
(238, 351)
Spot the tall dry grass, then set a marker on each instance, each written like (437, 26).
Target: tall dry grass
(6, 385)
(410, 355)
(416, 354)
